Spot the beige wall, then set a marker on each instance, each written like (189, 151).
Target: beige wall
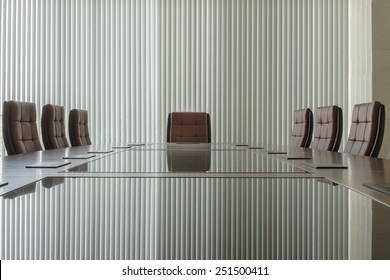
(381, 62)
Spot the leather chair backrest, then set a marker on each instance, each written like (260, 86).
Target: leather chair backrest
(20, 130)
(328, 129)
(53, 127)
(188, 127)
(78, 128)
(302, 128)
(367, 129)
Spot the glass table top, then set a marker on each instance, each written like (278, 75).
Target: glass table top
(185, 158)
(191, 218)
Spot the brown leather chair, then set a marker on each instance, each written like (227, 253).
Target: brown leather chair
(302, 128)
(188, 127)
(78, 128)
(53, 127)
(367, 129)
(20, 131)
(328, 128)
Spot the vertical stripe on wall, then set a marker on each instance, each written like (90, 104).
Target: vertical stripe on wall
(360, 53)
(250, 64)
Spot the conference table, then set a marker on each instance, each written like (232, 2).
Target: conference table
(193, 201)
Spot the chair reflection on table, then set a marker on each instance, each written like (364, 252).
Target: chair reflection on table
(80, 168)
(21, 191)
(188, 160)
(52, 181)
(31, 188)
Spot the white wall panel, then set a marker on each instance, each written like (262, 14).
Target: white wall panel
(360, 52)
(250, 64)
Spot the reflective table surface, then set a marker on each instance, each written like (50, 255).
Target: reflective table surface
(194, 201)
(187, 158)
(198, 218)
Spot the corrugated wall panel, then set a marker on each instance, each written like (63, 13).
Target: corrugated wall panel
(250, 64)
(360, 52)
